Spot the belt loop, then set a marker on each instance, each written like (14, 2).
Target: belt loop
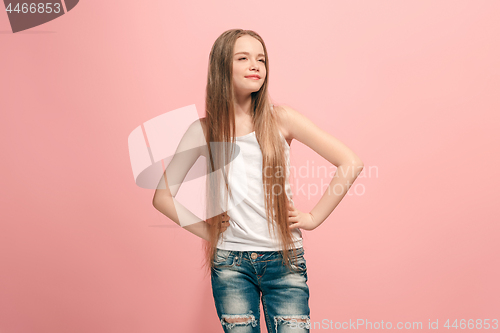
(238, 257)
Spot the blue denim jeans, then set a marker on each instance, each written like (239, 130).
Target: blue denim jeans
(241, 278)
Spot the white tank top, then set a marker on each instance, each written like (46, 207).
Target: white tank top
(248, 227)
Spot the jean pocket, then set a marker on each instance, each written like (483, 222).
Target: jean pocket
(299, 263)
(223, 258)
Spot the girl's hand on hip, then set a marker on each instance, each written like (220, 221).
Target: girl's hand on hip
(298, 219)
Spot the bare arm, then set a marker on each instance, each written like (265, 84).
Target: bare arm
(170, 207)
(348, 164)
(187, 153)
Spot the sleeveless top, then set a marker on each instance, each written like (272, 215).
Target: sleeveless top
(248, 227)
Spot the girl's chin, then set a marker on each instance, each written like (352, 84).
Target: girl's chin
(248, 90)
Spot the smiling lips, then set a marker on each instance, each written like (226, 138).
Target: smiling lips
(254, 77)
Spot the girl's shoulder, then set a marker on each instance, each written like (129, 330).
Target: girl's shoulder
(203, 123)
(281, 113)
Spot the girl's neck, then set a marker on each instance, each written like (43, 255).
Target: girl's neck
(242, 108)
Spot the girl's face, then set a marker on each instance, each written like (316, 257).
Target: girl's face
(249, 69)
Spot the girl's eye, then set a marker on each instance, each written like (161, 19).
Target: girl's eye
(259, 60)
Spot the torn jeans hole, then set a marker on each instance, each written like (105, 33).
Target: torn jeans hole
(294, 321)
(251, 320)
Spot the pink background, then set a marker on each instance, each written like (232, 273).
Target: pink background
(411, 87)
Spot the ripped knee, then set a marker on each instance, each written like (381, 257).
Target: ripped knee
(300, 321)
(232, 320)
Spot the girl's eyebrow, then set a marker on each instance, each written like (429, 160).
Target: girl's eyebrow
(260, 54)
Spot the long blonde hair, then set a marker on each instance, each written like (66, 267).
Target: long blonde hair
(220, 128)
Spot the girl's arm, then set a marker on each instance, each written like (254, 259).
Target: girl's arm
(188, 151)
(348, 164)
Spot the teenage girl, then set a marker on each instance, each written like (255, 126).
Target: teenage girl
(253, 248)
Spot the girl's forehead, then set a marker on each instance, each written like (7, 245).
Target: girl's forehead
(247, 44)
